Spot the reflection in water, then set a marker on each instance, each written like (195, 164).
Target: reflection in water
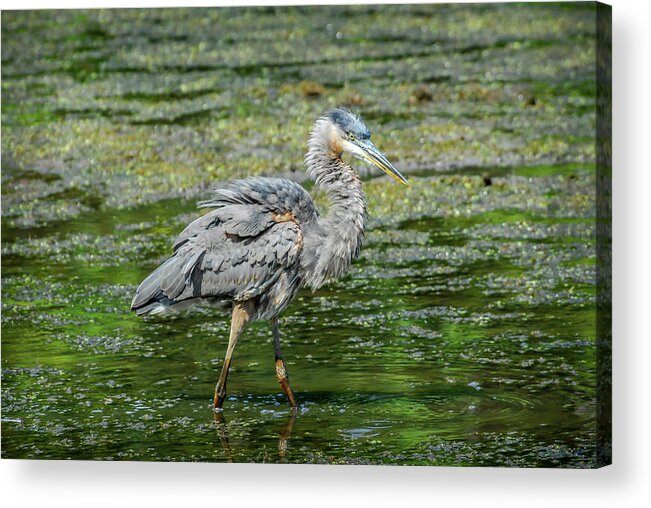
(222, 430)
(283, 437)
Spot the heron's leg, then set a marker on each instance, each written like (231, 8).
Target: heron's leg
(240, 317)
(281, 371)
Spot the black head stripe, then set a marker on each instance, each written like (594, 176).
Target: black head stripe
(349, 123)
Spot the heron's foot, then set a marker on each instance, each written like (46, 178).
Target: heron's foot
(283, 379)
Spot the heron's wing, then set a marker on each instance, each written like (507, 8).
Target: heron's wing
(277, 195)
(234, 252)
(225, 264)
(240, 220)
(248, 203)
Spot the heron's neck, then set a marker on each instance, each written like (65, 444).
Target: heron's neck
(342, 229)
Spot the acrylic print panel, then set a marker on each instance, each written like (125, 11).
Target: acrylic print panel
(473, 329)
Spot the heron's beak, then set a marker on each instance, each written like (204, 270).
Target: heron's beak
(364, 149)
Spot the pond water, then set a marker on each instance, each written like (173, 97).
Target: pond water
(464, 334)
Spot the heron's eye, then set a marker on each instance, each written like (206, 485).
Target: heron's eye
(351, 136)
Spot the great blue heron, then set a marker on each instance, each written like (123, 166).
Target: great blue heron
(264, 240)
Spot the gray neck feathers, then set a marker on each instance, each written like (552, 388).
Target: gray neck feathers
(328, 255)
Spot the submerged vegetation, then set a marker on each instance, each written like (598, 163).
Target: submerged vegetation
(463, 336)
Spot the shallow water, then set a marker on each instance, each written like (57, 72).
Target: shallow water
(464, 335)
(453, 341)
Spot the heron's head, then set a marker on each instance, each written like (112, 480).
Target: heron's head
(346, 132)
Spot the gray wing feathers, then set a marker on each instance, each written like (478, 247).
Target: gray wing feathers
(273, 194)
(149, 289)
(230, 266)
(242, 220)
(208, 221)
(236, 251)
